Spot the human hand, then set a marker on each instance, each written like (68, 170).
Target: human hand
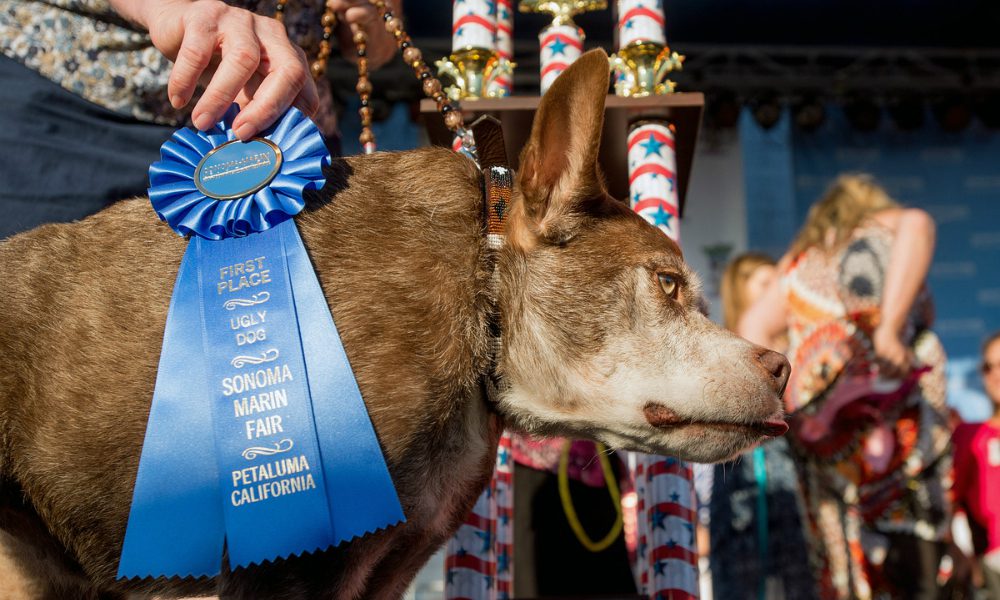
(238, 56)
(361, 15)
(894, 359)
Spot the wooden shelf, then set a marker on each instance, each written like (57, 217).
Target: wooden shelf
(515, 113)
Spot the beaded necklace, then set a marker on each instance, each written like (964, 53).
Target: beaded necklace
(411, 55)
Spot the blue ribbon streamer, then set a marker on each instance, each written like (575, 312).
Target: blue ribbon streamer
(303, 473)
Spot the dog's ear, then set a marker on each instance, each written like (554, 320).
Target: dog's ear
(558, 167)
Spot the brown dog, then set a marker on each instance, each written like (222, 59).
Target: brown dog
(602, 338)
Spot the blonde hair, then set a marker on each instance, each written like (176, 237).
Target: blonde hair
(847, 203)
(733, 290)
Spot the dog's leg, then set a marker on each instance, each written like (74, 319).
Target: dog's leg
(398, 569)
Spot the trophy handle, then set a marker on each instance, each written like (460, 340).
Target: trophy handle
(495, 69)
(449, 69)
(624, 78)
(667, 62)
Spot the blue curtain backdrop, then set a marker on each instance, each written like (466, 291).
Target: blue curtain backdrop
(953, 176)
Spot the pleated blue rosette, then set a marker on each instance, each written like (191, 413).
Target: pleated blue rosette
(258, 440)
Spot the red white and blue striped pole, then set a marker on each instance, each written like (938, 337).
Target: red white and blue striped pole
(473, 24)
(652, 175)
(560, 44)
(503, 85)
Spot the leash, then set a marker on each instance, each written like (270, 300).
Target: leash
(610, 479)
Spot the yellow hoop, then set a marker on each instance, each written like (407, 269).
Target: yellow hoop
(567, 501)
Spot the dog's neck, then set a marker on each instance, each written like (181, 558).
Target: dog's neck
(399, 244)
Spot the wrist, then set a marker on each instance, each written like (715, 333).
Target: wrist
(889, 326)
(144, 12)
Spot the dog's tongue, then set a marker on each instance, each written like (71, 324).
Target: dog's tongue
(774, 427)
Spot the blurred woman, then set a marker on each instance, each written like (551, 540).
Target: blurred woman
(757, 545)
(867, 391)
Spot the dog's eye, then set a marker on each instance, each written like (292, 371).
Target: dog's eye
(669, 284)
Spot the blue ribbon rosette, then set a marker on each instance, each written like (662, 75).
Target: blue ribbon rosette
(258, 439)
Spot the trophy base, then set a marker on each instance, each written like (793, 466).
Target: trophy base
(474, 71)
(641, 69)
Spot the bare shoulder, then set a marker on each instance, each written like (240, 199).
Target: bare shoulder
(894, 218)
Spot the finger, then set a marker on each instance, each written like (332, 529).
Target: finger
(240, 60)
(363, 16)
(340, 6)
(287, 77)
(194, 56)
(308, 99)
(249, 90)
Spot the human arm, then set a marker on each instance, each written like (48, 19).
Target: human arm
(909, 262)
(239, 55)
(767, 319)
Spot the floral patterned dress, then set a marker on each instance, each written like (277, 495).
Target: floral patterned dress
(874, 454)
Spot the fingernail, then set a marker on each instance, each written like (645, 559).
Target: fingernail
(244, 131)
(176, 101)
(202, 122)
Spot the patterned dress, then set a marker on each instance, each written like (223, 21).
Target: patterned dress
(874, 454)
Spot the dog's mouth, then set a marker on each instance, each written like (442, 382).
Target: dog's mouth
(661, 417)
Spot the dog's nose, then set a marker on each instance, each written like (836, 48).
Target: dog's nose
(777, 365)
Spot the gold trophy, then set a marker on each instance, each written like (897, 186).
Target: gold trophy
(473, 70)
(641, 69)
(643, 60)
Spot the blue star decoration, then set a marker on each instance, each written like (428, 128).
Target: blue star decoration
(662, 217)
(652, 146)
(671, 543)
(451, 576)
(487, 538)
(503, 563)
(489, 580)
(636, 197)
(660, 567)
(504, 14)
(504, 453)
(458, 32)
(658, 518)
(558, 47)
(504, 519)
(674, 497)
(461, 552)
(492, 6)
(628, 24)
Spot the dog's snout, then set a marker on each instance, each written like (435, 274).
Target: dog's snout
(777, 365)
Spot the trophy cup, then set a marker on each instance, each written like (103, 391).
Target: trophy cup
(561, 42)
(643, 60)
(474, 65)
